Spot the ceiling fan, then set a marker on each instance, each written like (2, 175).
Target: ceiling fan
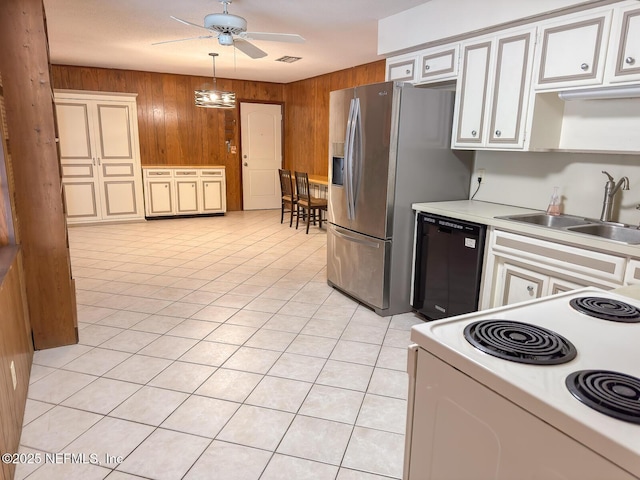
(232, 30)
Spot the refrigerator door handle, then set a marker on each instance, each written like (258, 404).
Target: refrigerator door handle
(357, 154)
(348, 158)
(350, 238)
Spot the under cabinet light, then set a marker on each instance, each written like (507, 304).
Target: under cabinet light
(601, 93)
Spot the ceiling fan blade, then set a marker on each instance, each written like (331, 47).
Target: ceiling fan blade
(185, 39)
(248, 48)
(188, 23)
(273, 37)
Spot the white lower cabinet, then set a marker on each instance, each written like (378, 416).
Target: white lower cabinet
(520, 268)
(186, 185)
(517, 284)
(214, 198)
(184, 191)
(99, 156)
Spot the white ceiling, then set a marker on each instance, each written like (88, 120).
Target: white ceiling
(118, 34)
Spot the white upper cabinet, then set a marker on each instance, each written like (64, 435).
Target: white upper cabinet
(425, 66)
(572, 51)
(402, 68)
(438, 64)
(492, 95)
(623, 64)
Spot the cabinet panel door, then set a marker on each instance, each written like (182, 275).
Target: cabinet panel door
(471, 100)
(519, 285)
(557, 285)
(401, 69)
(114, 128)
(74, 132)
(625, 52)
(159, 194)
(632, 276)
(438, 64)
(573, 54)
(212, 195)
(186, 196)
(81, 200)
(513, 68)
(119, 198)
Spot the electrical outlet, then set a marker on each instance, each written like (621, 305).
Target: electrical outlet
(480, 174)
(13, 375)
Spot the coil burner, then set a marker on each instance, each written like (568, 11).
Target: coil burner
(606, 309)
(611, 393)
(520, 342)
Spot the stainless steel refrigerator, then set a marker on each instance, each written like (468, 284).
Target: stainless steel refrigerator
(389, 148)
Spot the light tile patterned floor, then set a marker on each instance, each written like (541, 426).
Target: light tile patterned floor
(213, 348)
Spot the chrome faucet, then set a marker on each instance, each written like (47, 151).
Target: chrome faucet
(610, 190)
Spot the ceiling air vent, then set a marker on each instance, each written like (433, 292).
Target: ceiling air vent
(288, 59)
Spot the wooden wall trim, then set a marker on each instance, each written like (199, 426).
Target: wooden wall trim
(39, 213)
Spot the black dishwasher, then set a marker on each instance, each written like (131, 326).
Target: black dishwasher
(448, 266)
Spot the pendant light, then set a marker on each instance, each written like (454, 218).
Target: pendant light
(215, 98)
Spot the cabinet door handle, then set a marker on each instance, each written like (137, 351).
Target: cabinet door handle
(427, 67)
(166, 186)
(94, 161)
(629, 60)
(407, 71)
(498, 133)
(584, 67)
(529, 289)
(473, 133)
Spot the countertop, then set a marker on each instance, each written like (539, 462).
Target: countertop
(486, 212)
(631, 291)
(183, 166)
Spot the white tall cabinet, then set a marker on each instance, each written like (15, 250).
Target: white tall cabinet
(100, 156)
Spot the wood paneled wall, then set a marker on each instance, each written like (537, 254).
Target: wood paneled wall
(15, 346)
(307, 115)
(173, 131)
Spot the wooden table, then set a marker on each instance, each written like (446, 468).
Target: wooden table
(319, 180)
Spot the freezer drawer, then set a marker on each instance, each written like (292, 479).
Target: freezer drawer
(358, 265)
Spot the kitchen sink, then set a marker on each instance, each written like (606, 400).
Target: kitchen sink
(618, 233)
(552, 221)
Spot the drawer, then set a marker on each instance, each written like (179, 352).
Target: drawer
(561, 258)
(157, 173)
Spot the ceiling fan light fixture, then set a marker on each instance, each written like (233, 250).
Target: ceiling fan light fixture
(225, 39)
(214, 98)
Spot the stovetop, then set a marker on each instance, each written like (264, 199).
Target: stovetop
(599, 344)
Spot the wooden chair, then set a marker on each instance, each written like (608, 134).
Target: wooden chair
(288, 196)
(312, 206)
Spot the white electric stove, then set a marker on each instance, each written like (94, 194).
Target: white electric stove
(517, 392)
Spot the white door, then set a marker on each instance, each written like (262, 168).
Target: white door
(261, 143)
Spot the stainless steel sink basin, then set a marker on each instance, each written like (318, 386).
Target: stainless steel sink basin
(552, 221)
(617, 233)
